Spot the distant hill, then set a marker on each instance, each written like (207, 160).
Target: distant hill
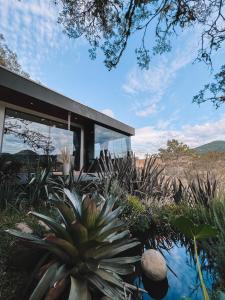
(215, 146)
(26, 152)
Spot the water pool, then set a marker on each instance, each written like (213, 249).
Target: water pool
(184, 284)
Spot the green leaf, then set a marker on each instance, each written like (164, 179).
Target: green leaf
(122, 260)
(117, 268)
(44, 283)
(69, 248)
(51, 248)
(205, 231)
(75, 201)
(189, 229)
(22, 235)
(58, 229)
(184, 225)
(108, 276)
(112, 249)
(79, 232)
(65, 211)
(106, 288)
(78, 290)
(117, 236)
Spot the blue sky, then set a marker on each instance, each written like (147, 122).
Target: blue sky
(157, 102)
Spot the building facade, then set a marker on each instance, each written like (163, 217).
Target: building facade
(36, 124)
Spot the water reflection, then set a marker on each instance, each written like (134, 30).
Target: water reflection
(184, 283)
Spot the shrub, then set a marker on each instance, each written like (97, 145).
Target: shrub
(135, 214)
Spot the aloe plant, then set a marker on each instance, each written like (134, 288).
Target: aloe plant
(83, 252)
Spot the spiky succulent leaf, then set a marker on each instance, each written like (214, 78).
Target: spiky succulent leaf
(78, 290)
(66, 212)
(67, 247)
(117, 268)
(122, 260)
(75, 202)
(106, 288)
(79, 232)
(112, 249)
(58, 229)
(114, 236)
(89, 212)
(44, 284)
(108, 276)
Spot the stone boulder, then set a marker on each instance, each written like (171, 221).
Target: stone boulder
(22, 226)
(154, 265)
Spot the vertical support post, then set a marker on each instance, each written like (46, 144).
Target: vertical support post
(69, 119)
(82, 148)
(2, 118)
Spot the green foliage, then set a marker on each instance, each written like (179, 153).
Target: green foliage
(203, 190)
(213, 92)
(35, 191)
(135, 214)
(135, 204)
(109, 26)
(191, 230)
(145, 182)
(175, 149)
(84, 252)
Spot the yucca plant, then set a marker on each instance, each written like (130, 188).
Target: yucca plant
(83, 252)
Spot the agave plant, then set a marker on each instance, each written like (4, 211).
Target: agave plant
(83, 251)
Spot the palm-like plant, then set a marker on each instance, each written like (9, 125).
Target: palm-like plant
(82, 253)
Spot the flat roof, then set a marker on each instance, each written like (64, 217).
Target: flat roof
(32, 89)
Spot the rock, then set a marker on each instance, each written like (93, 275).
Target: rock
(24, 227)
(154, 265)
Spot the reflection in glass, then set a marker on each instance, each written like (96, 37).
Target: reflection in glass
(37, 141)
(109, 141)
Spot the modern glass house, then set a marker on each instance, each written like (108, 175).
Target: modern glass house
(36, 123)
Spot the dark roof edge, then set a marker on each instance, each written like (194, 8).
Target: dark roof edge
(33, 89)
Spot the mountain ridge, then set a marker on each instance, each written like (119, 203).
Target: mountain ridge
(214, 146)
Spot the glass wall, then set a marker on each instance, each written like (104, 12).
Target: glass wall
(109, 141)
(36, 141)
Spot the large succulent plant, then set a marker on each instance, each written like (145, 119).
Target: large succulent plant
(83, 252)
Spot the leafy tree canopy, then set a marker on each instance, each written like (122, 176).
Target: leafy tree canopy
(215, 91)
(9, 59)
(109, 24)
(174, 149)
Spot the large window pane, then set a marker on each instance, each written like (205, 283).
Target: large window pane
(109, 141)
(34, 140)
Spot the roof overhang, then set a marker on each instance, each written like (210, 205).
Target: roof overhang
(28, 90)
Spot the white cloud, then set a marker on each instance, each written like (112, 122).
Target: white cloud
(108, 112)
(31, 30)
(152, 84)
(150, 138)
